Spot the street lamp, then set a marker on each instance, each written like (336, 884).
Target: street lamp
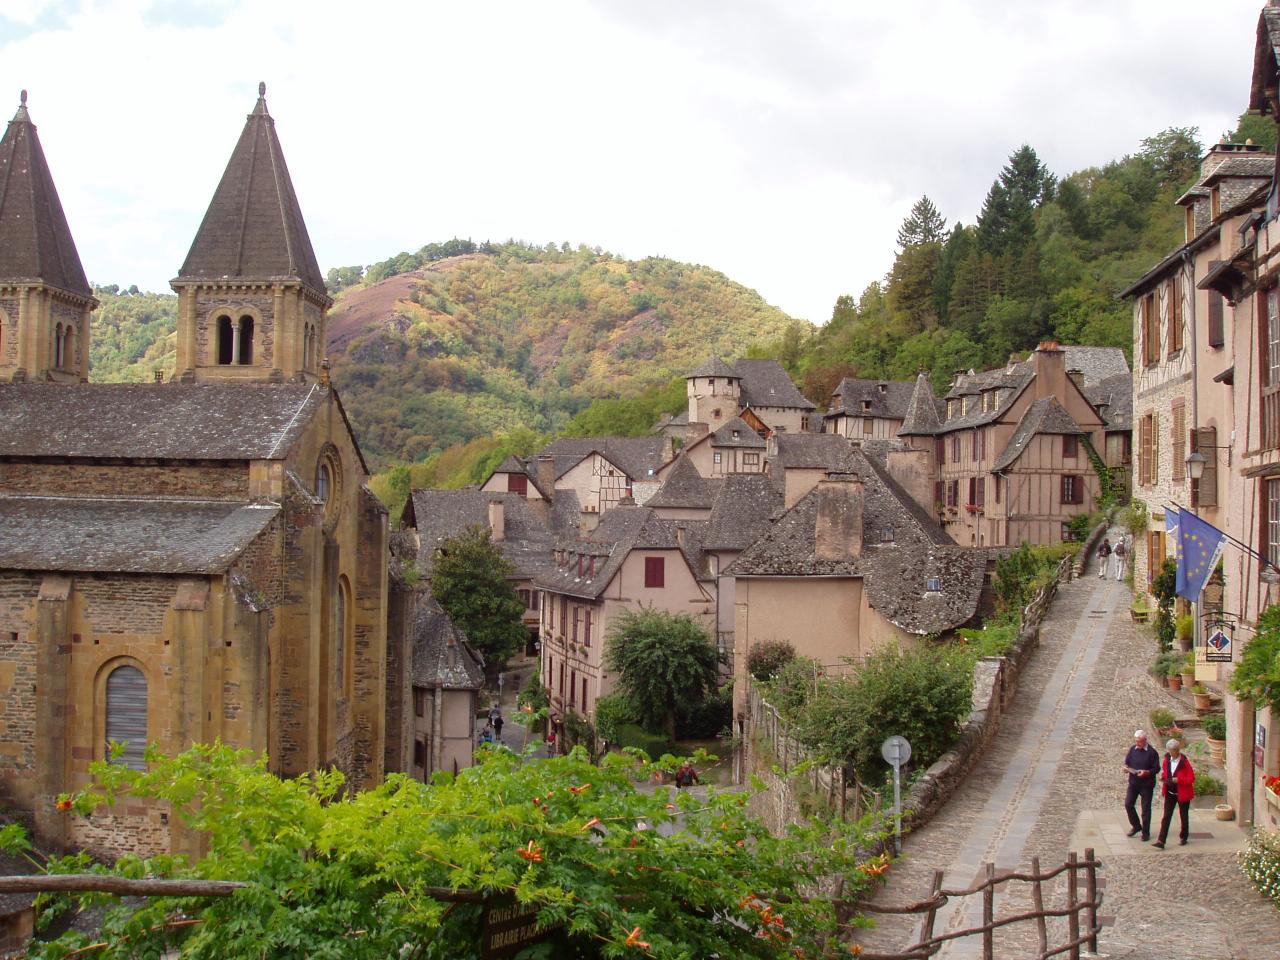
(1195, 465)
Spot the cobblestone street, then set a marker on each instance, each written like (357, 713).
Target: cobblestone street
(1051, 782)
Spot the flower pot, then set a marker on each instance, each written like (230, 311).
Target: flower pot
(1224, 811)
(1218, 752)
(1271, 798)
(1188, 678)
(1203, 701)
(1175, 682)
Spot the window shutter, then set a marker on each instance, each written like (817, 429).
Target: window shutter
(973, 490)
(654, 571)
(518, 483)
(939, 494)
(1206, 491)
(1178, 436)
(1216, 334)
(126, 720)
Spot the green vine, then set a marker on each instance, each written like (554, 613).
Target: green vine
(1106, 482)
(1257, 678)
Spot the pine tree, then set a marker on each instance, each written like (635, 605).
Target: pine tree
(1007, 220)
(923, 225)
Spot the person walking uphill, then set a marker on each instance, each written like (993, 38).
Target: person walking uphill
(1142, 764)
(1118, 557)
(1179, 790)
(1104, 557)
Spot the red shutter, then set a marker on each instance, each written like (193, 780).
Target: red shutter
(939, 492)
(518, 483)
(654, 571)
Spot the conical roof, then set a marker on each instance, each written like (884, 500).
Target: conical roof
(922, 411)
(713, 366)
(35, 241)
(253, 228)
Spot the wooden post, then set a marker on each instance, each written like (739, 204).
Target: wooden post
(1073, 918)
(926, 932)
(1037, 901)
(989, 913)
(1091, 893)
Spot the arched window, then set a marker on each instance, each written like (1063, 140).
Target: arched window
(57, 347)
(226, 353)
(324, 481)
(126, 720)
(306, 347)
(246, 341)
(342, 673)
(68, 347)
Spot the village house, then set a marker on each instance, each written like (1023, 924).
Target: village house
(185, 562)
(757, 390)
(733, 447)
(868, 409)
(446, 681)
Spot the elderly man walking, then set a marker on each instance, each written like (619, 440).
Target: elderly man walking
(1142, 764)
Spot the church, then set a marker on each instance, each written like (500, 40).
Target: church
(188, 561)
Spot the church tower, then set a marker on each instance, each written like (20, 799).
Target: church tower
(45, 300)
(251, 300)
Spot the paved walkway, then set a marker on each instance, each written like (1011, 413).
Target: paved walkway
(1050, 782)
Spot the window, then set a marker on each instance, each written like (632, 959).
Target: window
(419, 703)
(1204, 492)
(711, 382)
(1216, 335)
(324, 479)
(1072, 489)
(939, 493)
(979, 491)
(564, 618)
(1070, 447)
(979, 445)
(245, 356)
(1271, 520)
(1155, 554)
(951, 409)
(126, 720)
(1150, 317)
(518, 483)
(751, 459)
(655, 571)
(1178, 437)
(1147, 448)
(953, 493)
(886, 535)
(940, 450)
(573, 688)
(419, 753)
(586, 627)
(225, 338)
(1174, 288)
(562, 679)
(57, 347)
(577, 614)
(933, 584)
(341, 649)
(584, 694)
(804, 424)
(997, 485)
(1191, 222)
(955, 449)
(1270, 390)
(717, 457)
(868, 425)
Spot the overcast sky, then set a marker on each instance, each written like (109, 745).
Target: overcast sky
(779, 141)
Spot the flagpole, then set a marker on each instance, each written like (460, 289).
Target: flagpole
(1226, 536)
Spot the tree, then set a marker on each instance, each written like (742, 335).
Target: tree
(923, 225)
(1007, 220)
(469, 579)
(666, 661)
(406, 869)
(1173, 155)
(1261, 130)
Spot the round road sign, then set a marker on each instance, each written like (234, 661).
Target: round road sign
(896, 751)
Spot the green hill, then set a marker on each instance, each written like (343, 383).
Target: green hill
(460, 341)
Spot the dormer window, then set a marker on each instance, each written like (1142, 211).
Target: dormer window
(886, 535)
(933, 585)
(1191, 221)
(951, 409)
(866, 406)
(1215, 203)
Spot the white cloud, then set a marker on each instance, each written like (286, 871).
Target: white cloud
(780, 142)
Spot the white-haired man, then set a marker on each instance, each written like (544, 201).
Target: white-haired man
(1142, 764)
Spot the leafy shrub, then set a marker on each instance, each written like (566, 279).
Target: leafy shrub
(1164, 586)
(632, 735)
(794, 685)
(1207, 786)
(708, 718)
(1215, 726)
(1078, 527)
(578, 731)
(767, 658)
(1184, 626)
(993, 640)
(534, 695)
(1257, 678)
(1020, 574)
(613, 712)
(1260, 862)
(1161, 718)
(1134, 517)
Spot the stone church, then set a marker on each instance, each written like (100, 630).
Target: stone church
(187, 561)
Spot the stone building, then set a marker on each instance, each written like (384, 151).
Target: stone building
(189, 561)
(868, 409)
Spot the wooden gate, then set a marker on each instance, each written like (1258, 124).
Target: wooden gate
(1080, 911)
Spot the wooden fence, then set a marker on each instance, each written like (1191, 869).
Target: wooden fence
(1081, 912)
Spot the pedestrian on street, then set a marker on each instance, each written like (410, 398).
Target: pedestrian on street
(494, 713)
(1179, 790)
(1104, 557)
(1118, 556)
(686, 776)
(497, 725)
(1142, 764)
(486, 735)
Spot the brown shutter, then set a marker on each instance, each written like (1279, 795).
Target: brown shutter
(1206, 488)
(1178, 437)
(126, 720)
(1216, 337)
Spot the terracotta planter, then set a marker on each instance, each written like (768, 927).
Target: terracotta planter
(1203, 701)
(1224, 811)
(1217, 751)
(1188, 679)
(1175, 682)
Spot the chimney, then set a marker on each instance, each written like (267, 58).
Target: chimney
(544, 470)
(1050, 364)
(680, 534)
(1076, 377)
(497, 519)
(668, 448)
(838, 527)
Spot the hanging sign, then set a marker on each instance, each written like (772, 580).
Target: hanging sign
(1259, 744)
(1219, 632)
(510, 927)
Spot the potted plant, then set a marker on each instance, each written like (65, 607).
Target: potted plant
(1160, 669)
(1271, 790)
(1201, 695)
(1175, 677)
(1215, 731)
(1188, 666)
(1161, 720)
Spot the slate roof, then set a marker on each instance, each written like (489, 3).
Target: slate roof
(1046, 415)
(812, 451)
(127, 536)
(1114, 399)
(685, 487)
(253, 228)
(744, 506)
(1096, 363)
(167, 421)
(921, 417)
(887, 398)
(1266, 55)
(621, 530)
(440, 650)
(894, 574)
(438, 515)
(713, 366)
(746, 437)
(637, 457)
(35, 240)
(766, 384)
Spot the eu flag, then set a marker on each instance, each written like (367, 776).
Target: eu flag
(1199, 546)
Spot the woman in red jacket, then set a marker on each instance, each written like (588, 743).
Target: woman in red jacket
(1178, 785)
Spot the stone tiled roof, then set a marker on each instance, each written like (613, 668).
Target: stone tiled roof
(895, 573)
(685, 487)
(926, 525)
(439, 515)
(812, 451)
(1250, 166)
(440, 650)
(1010, 381)
(637, 457)
(169, 421)
(1114, 399)
(1266, 55)
(766, 384)
(874, 398)
(1046, 415)
(921, 417)
(1096, 363)
(127, 536)
(744, 506)
(713, 366)
(737, 433)
(253, 228)
(35, 240)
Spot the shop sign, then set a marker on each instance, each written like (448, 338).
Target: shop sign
(1259, 744)
(511, 926)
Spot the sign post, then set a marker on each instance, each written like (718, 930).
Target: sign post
(896, 751)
